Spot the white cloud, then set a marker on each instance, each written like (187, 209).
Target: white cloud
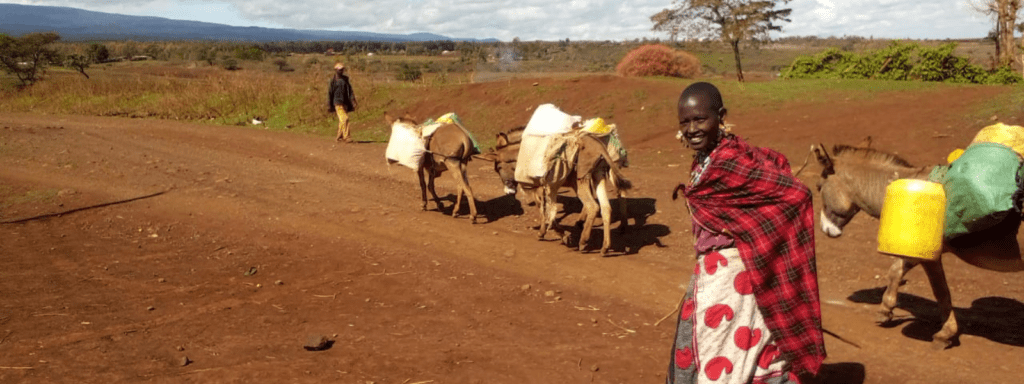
(546, 19)
(935, 19)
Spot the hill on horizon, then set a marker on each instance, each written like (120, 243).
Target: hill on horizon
(74, 24)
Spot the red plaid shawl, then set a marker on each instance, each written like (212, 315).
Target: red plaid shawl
(750, 193)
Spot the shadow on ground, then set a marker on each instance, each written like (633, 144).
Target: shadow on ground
(995, 318)
(841, 373)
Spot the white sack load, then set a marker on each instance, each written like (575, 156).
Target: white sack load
(547, 119)
(405, 146)
(531, 165)
(546, 123)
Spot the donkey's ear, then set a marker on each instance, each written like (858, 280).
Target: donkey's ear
(821, 154)
(501, 140)
(866, 143)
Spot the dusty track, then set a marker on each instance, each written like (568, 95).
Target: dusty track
(121, 293)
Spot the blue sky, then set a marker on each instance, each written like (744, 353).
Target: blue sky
(549, 20)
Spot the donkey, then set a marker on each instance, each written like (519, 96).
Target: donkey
(854, 179)
(449, 148)
(593, 169)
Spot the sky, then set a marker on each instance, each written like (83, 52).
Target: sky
(550, 20)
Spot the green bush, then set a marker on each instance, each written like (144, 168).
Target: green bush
(409, 72)
(230, 63)
(829, 64)
(939, 64)
(898, 61)
(251, 54)
(1005, 75)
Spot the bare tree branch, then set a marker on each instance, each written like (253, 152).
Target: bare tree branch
(732, 21)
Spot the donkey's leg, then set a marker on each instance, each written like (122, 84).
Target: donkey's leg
(585, 192)
(463, 182)
(542, 202)
(453, 166)
(423, 188)
(623, 211)
(897, 271)
(606, 214)
(550, 210)
(433, 193)
(469, 194)
(937, 279)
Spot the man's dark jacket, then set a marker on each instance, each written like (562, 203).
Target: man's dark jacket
(340, 93)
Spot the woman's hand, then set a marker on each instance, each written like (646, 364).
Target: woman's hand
(675, 192)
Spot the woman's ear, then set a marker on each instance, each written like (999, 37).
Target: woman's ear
(721, 113)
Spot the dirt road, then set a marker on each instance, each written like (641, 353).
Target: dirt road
(263, 239)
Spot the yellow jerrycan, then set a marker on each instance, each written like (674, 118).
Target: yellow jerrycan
(912, 219)
(1009, 135)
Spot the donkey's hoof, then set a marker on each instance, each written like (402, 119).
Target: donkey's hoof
(885, 318)
(940, 344)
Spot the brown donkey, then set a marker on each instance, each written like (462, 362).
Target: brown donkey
(593, 169)
(448, 148)
(854, 179)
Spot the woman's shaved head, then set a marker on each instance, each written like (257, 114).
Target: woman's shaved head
(700, 116)
(706, 93)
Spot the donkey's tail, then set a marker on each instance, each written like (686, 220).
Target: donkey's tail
(620, 182)
(614, 171)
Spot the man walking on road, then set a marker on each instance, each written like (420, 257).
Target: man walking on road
(342, 100)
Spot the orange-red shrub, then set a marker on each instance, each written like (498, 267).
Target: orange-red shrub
(658, 60)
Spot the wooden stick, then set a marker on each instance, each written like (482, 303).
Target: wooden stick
(386, 273)
(830, 333)
(27, 219)
(675, 310)
(620, 327)
(198, 370)
(806, 159)
(17, 368)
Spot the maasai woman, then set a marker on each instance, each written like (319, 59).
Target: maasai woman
(751, 313)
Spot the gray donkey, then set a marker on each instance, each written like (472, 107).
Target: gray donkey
(589, 175)
(449, 148)
(854, 179)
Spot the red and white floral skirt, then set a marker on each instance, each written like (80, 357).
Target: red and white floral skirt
(721, 336)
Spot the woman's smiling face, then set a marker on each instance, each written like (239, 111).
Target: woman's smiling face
(699, 122)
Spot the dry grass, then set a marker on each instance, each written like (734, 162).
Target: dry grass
(183, 92)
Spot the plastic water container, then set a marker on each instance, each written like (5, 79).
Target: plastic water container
(1009, 135)
(596, 126)
(954, 155)
(912, 219)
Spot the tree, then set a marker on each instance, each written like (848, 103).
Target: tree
(78, 63)
(1005, 14)
(98, 53)
(664, 22)
(1020, 28)
(26, 57)
(733, 21)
